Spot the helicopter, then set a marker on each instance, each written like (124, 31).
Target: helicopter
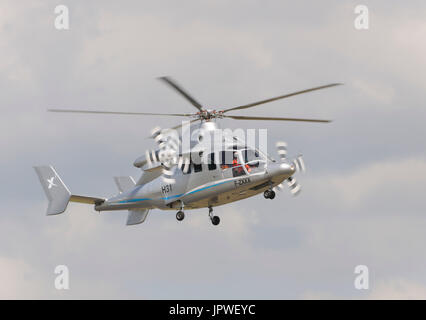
(180, 175)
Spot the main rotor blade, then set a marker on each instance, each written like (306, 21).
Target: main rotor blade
(282, 97)
(274, 118)
(119, 112)
(175, 86)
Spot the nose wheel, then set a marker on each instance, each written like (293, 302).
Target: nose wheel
(269, 194)
(180, 215)
(214, 219)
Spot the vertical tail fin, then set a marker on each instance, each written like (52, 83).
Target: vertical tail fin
(56, 191)
(124, 183)
(136, 216)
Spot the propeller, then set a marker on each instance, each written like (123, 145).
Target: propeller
(205, 114)
(167, 154)
(298, 164)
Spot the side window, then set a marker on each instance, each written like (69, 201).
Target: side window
(211, 162)
(189, 168)
(196, 162)
(198, 167)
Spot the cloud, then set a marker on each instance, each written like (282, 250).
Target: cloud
(386, 289)
(392, 184)
(398, 289)
(18, 279)
(375, 91)
(362, 200)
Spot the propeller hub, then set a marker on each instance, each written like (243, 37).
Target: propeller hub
(283, 170)
(288, 168)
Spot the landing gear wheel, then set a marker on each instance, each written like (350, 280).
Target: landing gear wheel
(215, 220)
(180, 215)
(269, 194)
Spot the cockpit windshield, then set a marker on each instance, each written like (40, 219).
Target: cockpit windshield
(251, 155)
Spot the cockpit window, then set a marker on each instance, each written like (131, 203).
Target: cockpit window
(231, 159)
(250, 155)
(226, 158)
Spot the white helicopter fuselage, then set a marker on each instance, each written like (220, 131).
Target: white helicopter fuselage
(230, 171)
(203, 189)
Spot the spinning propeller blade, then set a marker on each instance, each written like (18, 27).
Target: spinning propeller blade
(282, 150)
(168, 153)
(293, 185)
(297, 163)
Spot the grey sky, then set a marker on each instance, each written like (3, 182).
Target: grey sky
(362, 200)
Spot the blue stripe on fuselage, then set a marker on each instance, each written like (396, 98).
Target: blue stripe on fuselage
(176, 196)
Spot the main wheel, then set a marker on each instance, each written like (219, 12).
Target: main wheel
(215, 220)
(180, 215)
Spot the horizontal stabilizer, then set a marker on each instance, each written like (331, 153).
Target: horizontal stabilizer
(137, 216)
(124, 183)
(85, 199)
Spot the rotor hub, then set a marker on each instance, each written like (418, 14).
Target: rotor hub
(208, 114)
